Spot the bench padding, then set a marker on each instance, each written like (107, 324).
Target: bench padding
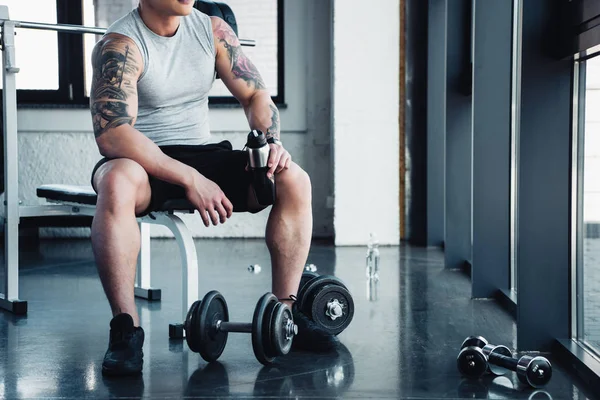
(86, 195)
(68, 193)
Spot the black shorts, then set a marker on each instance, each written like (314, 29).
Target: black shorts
(217, 162)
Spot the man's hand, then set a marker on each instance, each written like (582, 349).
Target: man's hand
(279, 159)
(208, 198)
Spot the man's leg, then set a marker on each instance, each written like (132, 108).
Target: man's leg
(288, 235)
(123, 191)
(289, 230)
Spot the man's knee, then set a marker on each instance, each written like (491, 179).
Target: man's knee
(294, 182)
(122, 181)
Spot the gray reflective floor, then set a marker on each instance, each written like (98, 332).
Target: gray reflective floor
(402, 342)
(591, 290)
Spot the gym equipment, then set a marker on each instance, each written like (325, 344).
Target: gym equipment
(471, 360)
(80, 201)
(477, 356)
(326, 300)
(533, 371)
(79, 29)
(207, 326)
(258, 155)
(306, 276)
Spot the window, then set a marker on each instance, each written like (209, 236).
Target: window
(56, 67)
(589, 260)
(34, 46)
(259, 20)
(46, 75)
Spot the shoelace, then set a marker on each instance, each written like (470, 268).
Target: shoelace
(291, 298)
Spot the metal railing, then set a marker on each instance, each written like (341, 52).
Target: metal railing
(79, 29)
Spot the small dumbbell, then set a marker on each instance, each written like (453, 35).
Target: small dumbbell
(478, 356)
(207, 326)
(533, 371)
(325, 300)
(472, 361)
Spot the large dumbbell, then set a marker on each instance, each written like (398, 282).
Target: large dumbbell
(207, 326)
(325, 300)
(477, 356)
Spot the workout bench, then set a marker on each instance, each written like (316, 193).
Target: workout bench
(81, 200)
(69, 200)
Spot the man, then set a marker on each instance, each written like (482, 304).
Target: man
(152, 74)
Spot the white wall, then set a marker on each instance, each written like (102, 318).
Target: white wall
(365, 121)
(57, 146)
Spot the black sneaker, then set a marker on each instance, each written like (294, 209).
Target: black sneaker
(311, 336)
(124, 355)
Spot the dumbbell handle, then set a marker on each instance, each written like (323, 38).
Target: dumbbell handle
(241, 327)
(503, 361)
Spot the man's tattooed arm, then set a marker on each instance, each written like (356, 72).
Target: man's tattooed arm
(113, 99)
(244, 81)
(273, 131)
(239, 64)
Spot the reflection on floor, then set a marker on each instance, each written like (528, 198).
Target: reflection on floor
(402, 342)
(591, 290)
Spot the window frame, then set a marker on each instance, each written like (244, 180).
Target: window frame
(67, 71)
(71, 67)
(280, 98)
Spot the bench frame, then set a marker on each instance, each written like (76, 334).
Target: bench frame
(14, 211)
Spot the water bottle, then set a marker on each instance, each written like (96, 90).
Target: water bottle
(258, 156)
(373, 290)
(373, 257)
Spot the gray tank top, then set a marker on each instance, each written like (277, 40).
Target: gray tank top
(179, 71)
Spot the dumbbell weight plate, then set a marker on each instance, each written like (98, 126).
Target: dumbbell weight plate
(535, 371)
(191, 328)
(304, 283)
(471, 362)
(316, 280)
(212, 342)
(260, 328)
(474, 341)
(307, 276)
(324, 301)
(305, 288)
(281, 343)
(321, 280)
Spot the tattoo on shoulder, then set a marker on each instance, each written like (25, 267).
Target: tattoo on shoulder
(114, 66)
(241, 66)
(273, 130)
